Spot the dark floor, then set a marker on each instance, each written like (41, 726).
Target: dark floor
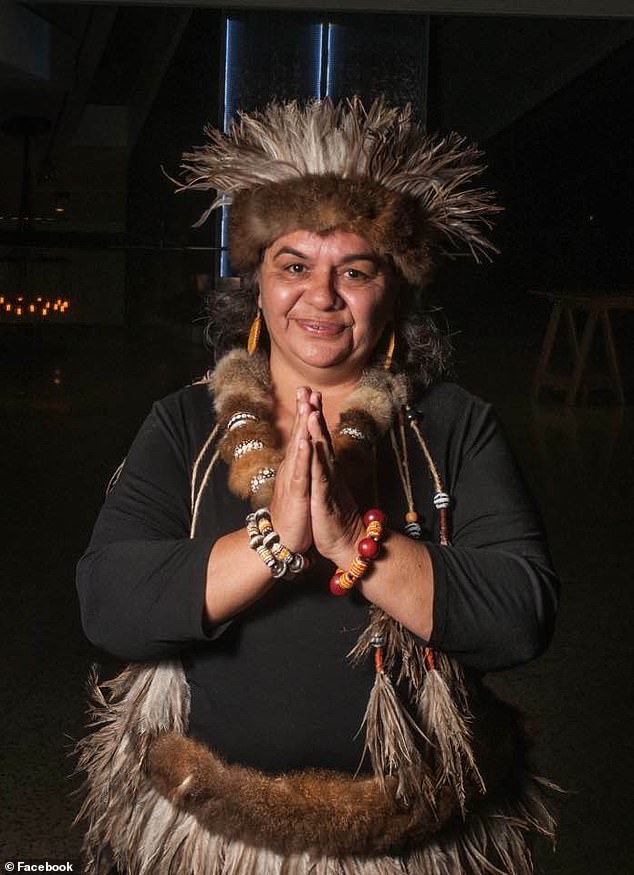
(69, 405)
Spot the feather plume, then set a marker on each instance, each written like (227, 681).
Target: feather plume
(443, 722)
(392, 745)
(442, 715)
(374, 170)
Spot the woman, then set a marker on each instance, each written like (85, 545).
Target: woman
(232, 743)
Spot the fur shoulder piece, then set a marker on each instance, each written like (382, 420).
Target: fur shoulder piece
(238, 375)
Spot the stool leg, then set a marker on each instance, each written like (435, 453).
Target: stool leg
(572, 333)
(610, 351)
(547, 348)
(574, 347)
(584, 349)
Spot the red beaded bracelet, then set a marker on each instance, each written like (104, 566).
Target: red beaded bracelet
(368, 549)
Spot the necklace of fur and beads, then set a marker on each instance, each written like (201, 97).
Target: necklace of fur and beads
(249, 445)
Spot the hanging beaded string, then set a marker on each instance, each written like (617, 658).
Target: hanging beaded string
(199, 494)
(378, 643)
(441, 503)
(115, 477)
(198, 462)
(441, 498)
(412, 524)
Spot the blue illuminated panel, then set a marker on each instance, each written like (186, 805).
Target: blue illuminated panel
(270, 55)
(330, 45)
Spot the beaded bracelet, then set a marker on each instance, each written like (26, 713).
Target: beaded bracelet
(263, 538)
(368, 549)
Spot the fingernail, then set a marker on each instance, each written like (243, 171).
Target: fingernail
(298, 392)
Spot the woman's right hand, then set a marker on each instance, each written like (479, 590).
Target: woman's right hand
(290, 506)
(236, 576)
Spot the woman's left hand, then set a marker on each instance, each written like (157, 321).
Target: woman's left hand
(336, 523)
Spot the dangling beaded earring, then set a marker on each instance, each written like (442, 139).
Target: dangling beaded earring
(254, 333)
(389, 352)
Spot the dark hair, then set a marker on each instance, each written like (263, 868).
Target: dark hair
(422, 350)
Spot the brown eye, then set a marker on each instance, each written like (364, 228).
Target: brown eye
(295, 268)
(355, 276)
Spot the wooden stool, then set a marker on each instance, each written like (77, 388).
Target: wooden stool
(596, 307)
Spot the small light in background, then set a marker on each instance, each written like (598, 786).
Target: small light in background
(60, 202)
(30, 309)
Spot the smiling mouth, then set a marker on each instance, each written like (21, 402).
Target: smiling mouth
(321, 329)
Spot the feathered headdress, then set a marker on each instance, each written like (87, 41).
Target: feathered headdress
(324, 166)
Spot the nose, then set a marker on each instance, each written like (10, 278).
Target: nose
(321, 290)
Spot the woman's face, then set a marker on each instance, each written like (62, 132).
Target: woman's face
(326, 300)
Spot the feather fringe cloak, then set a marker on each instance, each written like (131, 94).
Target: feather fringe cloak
(133, 825)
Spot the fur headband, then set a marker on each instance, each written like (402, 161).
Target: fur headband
(324, 166)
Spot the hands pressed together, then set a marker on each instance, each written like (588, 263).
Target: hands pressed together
(312, 504)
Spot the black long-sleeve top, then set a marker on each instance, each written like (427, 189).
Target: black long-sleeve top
(273, 688)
